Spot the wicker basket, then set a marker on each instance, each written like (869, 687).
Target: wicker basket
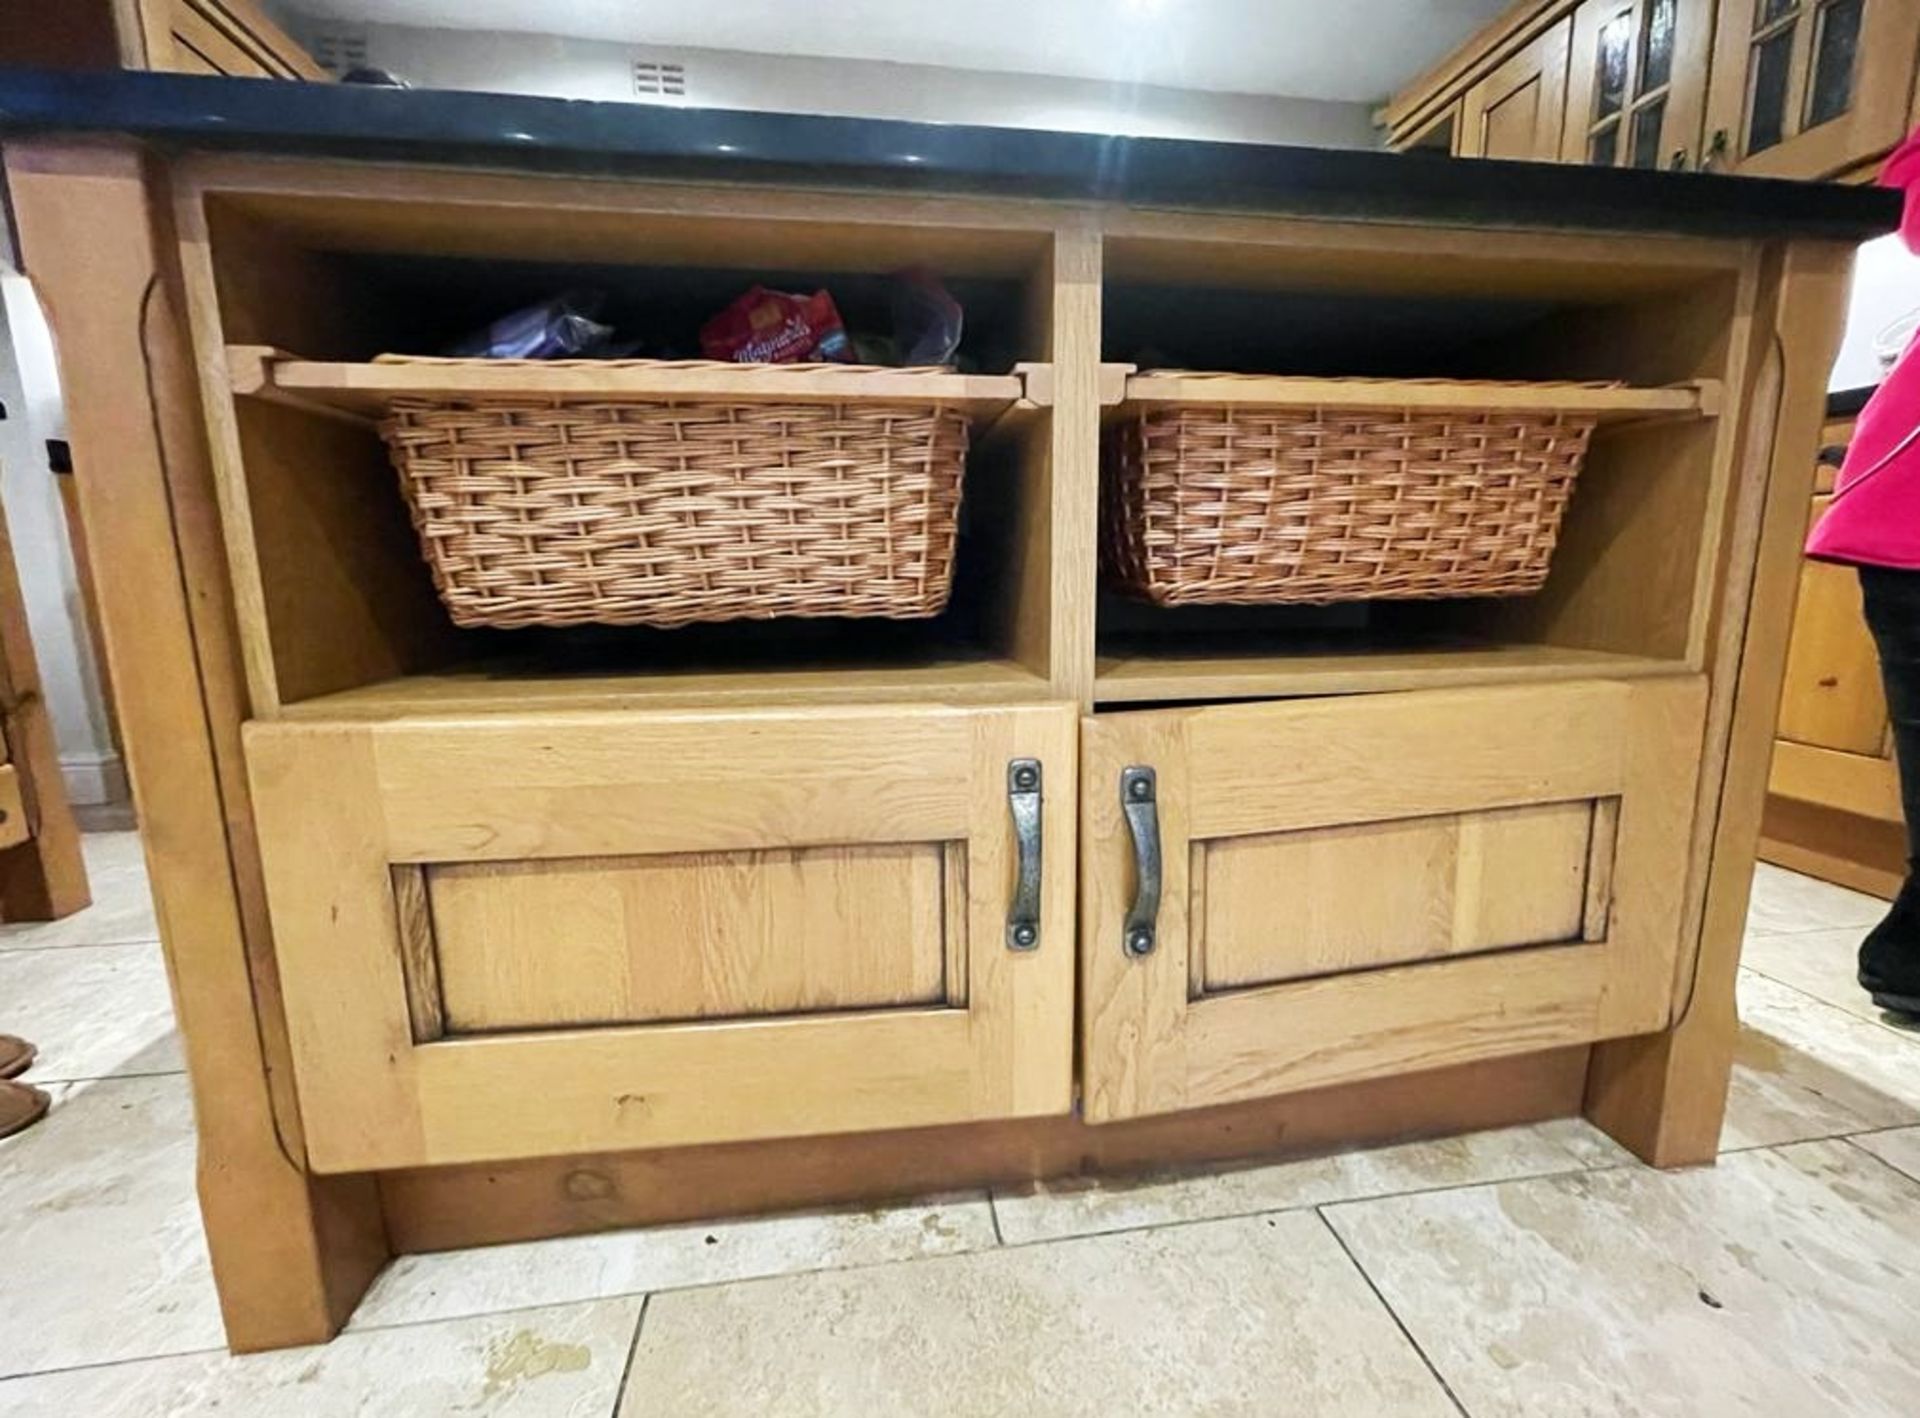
(1223, 503)
(558, 512)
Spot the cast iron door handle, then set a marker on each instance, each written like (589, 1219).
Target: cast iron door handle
(1137, 801)
(1023, 800)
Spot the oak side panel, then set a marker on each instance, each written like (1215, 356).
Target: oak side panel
(1664, 1095)
(291, 1254)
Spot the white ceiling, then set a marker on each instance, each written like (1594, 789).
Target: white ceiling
(1360, 50)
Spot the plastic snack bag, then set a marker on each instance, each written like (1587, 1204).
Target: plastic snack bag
(772, 327)
(927, 320)
(561, 328)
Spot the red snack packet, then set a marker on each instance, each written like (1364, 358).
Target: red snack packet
(772, 327)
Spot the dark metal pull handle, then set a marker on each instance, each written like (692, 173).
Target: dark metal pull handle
(1137, 800)
(1023, 800)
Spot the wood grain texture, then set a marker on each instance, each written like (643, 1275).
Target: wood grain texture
(1605, 403)
(341, 804)
(935, 675)
(368, 388)
(1860, 853)
(1338, 899)
(1248, 772)
(1150, 672)
(228, 37)
(1832, 697)
(1664, 1095)
(1865, 784)
(42, 875)
(1516, 110)
(419, 953)
(94, 233)
(1883, 92)
(714, 935)
(1682, 100)
(446, 1207)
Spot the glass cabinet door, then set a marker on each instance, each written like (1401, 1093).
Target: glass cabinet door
(1638, 83)
(1810, 88)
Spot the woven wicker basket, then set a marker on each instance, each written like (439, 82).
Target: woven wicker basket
(564, 512)
(1221, 503)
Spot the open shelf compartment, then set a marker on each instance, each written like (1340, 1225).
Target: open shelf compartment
(300, 293)
(1547, 327)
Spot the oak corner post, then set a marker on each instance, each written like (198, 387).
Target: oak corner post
(292, 1251)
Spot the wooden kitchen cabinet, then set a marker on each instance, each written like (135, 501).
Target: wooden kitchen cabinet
(1637, 82)
(1833, 805)
(1810, 88)
(1290, 895)
(1805, 89)
(586, 933)
(231, 37)
(1516, 110)
(484, 935)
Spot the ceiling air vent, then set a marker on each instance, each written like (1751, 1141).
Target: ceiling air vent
(652, 79)
(338, 48)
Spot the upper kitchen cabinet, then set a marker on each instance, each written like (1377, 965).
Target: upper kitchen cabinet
(1810, 88)
(235, 38)
(1637, 82)
(1516, 110)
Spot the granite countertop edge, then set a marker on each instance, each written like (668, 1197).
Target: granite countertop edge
(506, 132)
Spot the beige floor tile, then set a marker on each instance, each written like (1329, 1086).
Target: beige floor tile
(1263, 1315)
(94, 1010)
(1899, 1148)
(1077, 1207)
(1787, 901)
(471, 1282)
(1777, 1283)
(1822, 964)
(101, 1252)
(122, 909)
(1805, 1069)
(554, 1363)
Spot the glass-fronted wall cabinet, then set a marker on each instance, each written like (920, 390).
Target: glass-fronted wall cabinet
(1637, 82)
(1809, 88)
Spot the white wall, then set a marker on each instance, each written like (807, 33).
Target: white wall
(720, 78)
(30, 389)
(1886, 290)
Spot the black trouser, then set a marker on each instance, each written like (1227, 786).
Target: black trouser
(1892, 601)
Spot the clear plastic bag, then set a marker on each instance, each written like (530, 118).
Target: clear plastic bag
(561, 328)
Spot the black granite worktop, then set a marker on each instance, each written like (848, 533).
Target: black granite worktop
(516, 133)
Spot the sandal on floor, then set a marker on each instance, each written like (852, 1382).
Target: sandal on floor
(21, 1106)
(16, 1056)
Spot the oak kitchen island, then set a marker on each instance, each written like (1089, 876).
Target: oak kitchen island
(484, 935)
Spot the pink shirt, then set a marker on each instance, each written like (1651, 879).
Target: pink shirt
(1874, 518)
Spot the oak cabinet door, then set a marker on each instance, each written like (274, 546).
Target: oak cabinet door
(1516, 111)
(1810, 88)
(1289, 895)
(1637, 82)
(509, 937)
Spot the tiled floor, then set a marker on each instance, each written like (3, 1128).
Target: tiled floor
(1537, 1271)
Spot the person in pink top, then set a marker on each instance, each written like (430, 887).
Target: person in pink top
(1873, 523)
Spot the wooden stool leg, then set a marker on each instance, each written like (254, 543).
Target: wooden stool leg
(292, 1252)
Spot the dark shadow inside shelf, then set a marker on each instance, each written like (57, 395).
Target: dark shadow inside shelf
(1251, 331)
(662, 308)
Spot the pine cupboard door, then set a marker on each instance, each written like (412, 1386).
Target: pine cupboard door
(1637, 83)
(1284, 896)
(1516, 111)
(510, 937)
(1810, 88)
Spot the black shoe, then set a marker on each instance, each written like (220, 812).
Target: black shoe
(1890, 955)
